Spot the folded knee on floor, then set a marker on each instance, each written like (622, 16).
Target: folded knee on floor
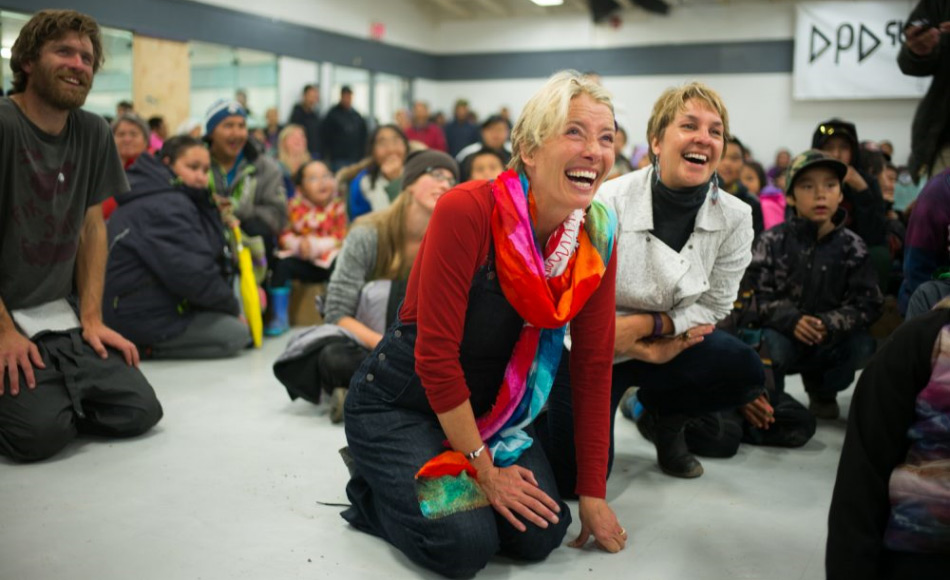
(536, 543)
(137, 419)
(459, 551)
(39, 440)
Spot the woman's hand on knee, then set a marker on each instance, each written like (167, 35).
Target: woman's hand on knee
(630, 329)
(514, 491)
(599, 520)
(663, 350)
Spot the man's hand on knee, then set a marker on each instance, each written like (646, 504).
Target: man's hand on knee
(18, 352)
(99, 336)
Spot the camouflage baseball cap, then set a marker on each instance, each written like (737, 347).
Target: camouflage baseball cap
(812, 158)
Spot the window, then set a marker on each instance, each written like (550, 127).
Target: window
(113, 82)
(218, 72)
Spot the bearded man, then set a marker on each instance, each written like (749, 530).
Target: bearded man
(62, 371)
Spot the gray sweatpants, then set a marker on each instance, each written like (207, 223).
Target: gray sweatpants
(77, 392)
(210, 335)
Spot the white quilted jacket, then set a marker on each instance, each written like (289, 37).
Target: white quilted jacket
(699, 284)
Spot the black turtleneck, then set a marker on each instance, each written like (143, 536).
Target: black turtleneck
(674, 212)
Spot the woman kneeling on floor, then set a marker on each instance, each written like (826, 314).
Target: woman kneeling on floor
(504, 266)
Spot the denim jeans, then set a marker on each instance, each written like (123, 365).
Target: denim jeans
(825, 369)
(392, 432)
(720, 373)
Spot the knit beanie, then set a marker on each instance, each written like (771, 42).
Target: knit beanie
(135, 120)
(221, 110)
(422, 162)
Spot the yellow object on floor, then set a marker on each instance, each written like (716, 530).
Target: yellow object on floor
(249, 294)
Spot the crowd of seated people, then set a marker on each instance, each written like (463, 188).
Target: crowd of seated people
(730, 275)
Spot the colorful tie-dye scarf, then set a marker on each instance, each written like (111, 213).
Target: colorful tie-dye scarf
(547, 291)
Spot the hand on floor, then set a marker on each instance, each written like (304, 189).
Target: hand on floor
(598, 519)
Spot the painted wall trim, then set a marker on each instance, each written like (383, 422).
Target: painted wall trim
(769, 56)
(186, 20)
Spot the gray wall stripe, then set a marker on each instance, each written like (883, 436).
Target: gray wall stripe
(186, 20)
(706, 58)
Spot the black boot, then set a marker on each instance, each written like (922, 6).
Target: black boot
(672, 454)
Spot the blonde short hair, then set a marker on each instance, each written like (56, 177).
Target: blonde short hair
(546, 111)
(673, 101)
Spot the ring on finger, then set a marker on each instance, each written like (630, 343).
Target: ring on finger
(686, 335)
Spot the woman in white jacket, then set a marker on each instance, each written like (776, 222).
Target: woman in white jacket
(682, 251)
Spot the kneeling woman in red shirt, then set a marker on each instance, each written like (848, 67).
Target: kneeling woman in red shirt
(439, 417)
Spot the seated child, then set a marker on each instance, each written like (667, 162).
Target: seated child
(483, 164)
(316, 228)
(310, 242)
(861, 192)
(817, 292)
(730, 171)
(168, 280)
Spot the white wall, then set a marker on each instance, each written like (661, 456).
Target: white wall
(406, 24)
(764, 115)
(722, 23)
(761, 109)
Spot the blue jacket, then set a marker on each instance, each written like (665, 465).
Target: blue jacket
(167, 257)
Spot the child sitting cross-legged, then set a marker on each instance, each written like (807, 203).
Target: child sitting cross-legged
(312, 239)
(816, 288)
(316, 227)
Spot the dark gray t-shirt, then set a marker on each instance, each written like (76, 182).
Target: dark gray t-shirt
(46, 185)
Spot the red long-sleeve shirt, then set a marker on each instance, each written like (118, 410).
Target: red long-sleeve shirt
(455, 246)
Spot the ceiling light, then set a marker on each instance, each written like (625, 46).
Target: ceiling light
(548, 2)
(5, 53)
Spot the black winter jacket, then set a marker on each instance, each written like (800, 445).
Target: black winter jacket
(794, 273)
(167, 257)
(931, 127)
(866, 213)
(344, 134)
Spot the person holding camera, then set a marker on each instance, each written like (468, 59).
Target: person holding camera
(926, 52)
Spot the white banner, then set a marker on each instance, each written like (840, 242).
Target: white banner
(848, 50)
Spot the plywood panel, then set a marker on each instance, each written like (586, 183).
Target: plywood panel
(161, 79)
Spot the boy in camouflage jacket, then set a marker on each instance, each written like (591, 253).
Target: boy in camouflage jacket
(817, 291)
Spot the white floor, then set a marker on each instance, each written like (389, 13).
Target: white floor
(227, 487)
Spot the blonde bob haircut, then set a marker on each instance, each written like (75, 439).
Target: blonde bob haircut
(673, 101)
(545, 113)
